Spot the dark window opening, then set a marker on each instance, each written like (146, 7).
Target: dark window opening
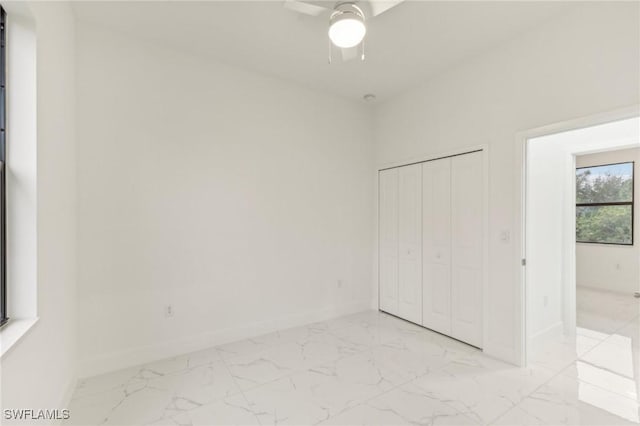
(3, 170)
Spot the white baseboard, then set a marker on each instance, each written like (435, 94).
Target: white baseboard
(374, 304)
(501, 352)
(624, 290)
(553, 331)
(65, 400)
(144, 354)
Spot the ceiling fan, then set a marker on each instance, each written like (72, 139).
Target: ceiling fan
(347, 21)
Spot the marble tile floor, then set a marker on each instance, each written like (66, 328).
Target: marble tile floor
(374, 369)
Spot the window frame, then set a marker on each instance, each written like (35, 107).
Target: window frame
(4, 317)
(613, 203)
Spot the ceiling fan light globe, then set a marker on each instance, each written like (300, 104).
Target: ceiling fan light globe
(347, 32)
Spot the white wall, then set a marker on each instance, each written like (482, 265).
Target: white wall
(581, 64)
(611, 267)
(39, 370)
(239, 199)
(545, 248)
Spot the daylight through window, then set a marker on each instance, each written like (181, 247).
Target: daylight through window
(604, 204)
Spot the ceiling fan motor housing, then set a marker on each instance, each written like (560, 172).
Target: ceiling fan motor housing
(347, 8)
(346, 25)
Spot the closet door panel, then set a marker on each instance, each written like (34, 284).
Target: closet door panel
(467, 247)
(410, 243)
(436, 240)
(467, 310)
(388, 244)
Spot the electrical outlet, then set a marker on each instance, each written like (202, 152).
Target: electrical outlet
(546, 301)
(168, 311)
(340, 284)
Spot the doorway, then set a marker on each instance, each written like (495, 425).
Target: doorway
(607, 249)
(582, 264)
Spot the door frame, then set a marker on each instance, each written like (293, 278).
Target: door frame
(484, 148)
(520, 209)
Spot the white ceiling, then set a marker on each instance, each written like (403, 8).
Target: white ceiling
(404, 46)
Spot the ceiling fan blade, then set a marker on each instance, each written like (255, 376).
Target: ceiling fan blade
(304, 7)
(379, 6)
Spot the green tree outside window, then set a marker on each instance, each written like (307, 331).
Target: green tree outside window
(604, 204)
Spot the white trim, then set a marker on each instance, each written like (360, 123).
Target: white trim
(487, 347)
(521, 140)
(430, 157)
(581, 122)
(377, 241)
(614, 292)
(549, 333)
(65, 400)
(22, 173)
(520, 296)
(13, 331)
(18, 8)
(607, 245)
(108, 362)
(569, 242)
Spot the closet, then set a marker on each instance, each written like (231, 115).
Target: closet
(410, 242)
(431, 244)
(388, 237)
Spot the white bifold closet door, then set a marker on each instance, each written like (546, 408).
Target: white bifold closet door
(467, 212)
(410, 243)
(388, 244)
(452, 238)
(431, 244)
(436, 240)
